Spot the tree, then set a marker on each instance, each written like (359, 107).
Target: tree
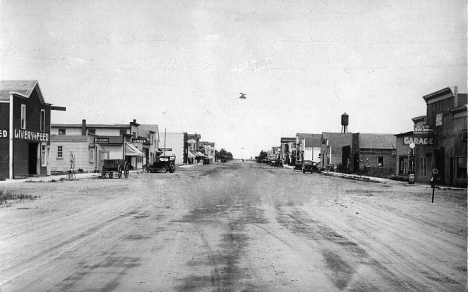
(262, 155)
(224, 155)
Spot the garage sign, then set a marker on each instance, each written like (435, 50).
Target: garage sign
(419, 141)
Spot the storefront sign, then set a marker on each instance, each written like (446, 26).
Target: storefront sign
(3, 134)
(419, 141)
(139, 140)
(424, 129)
(101, 140)
(30, 135)
(439, 120)
(165, 149)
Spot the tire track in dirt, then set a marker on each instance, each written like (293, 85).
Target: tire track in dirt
(48, 255)
(411, 256)
(221, 230)
(344, 258)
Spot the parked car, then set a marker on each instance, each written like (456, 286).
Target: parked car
(309, 166)
(161, 164)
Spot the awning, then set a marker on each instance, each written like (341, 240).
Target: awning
(191, 155)
(131, 150)
(99, 147)
(200, 154)
(210, 157)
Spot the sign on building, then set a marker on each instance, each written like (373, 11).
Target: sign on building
(438, 119)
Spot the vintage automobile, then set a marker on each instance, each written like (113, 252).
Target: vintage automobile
(161, 164)
(309, 166)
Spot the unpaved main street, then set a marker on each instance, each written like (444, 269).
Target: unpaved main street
(233, 227)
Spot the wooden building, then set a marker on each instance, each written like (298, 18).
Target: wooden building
(24, 130)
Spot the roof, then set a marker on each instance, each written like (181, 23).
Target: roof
(311, 140)
(288, 139)
(115, 126)
(23, 87)
(145, 129)
(404, 134)
(377, 141)
(68, 138)
(212, 144)
(430, 96)
(193, 136)
(337, 139)
(420, 118)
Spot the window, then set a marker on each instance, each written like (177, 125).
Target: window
(463, 133)
(59, 151)
(62, 131)
(123, 132)
(92, 131)
(23, 116)
(380, 161)
(461, 167)
(423, 166)
(403, 164)
(42, 120)
(43, 155)
(91, 155)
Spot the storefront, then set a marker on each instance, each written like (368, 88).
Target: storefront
(438, 144)
(25, 130)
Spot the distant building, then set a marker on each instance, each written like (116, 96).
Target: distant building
(24, 130)
(288, 150)
(308, 147)
(208, 148)
(332, 147)
(369, 151)
(173, 143)
(192, 153)
(89, 144)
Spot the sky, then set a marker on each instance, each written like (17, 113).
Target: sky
(183, 64)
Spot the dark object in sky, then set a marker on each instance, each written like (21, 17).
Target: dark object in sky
(243, 96)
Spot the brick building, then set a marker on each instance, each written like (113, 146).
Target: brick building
(24, 130)
(376, 152)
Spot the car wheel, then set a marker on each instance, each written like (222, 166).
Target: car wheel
(164, 169)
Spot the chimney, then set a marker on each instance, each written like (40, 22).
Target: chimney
(83, 127)
(455, 96)
(134, 120)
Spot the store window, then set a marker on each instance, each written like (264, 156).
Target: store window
(42, 121)
(380, 161)
(91, 155)
(403, 163)
(23, 116)
(461, 167)
(59, 151)
(92, 131)
(43, 155)
(62, 131)
(423, 166)
(123, 132)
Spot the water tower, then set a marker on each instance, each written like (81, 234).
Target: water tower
(344, 123)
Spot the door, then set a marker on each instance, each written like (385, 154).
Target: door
(32, 158)
(451, 172)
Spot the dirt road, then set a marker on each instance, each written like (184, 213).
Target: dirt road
(233, 227)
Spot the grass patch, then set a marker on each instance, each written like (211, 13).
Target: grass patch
(7, 198)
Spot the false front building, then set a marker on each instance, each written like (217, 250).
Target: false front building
(24, 130)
